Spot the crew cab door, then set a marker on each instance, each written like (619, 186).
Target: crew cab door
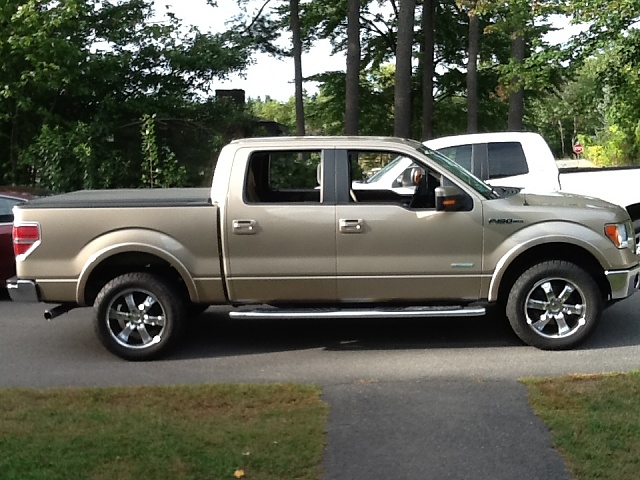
(391, 251)
(279, 228)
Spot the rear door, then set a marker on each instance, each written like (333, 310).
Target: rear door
(280, 229)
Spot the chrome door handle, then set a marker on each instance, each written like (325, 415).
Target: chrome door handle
(346, 225)
(244, 227)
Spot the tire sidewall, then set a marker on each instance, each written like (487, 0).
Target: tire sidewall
(172, 304)
(553, 269)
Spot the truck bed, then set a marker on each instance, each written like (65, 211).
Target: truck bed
(174, 228)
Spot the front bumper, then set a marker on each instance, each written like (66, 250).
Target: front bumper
(623, 282)
(22, 290)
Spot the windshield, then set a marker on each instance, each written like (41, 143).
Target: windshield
(459, 172)
(380, 173)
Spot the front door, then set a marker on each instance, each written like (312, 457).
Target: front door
(390, 251)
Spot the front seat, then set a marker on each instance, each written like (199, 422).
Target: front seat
(424, 195)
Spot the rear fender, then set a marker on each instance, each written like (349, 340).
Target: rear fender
(160, 245)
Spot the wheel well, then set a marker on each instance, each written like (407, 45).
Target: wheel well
(553, 251)
(634, 211)
(122, 263)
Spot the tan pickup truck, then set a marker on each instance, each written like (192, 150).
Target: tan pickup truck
(282, 231)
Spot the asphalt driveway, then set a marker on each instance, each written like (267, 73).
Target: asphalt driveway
(414, 399)
(437, 429)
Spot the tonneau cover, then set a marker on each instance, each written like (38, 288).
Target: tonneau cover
(124, 198)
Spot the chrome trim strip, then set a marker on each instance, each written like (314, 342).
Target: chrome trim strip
(408, 312)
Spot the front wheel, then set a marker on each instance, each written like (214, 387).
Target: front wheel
(138, 316)
(554, 305)
(636, 230)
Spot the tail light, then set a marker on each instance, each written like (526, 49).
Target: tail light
(25, 237)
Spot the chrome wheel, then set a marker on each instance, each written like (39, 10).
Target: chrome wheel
(636, 230)
(139, 316)
(556, 308)
(554, 305)
(136, 319)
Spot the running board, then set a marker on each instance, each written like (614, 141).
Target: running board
(405, 312)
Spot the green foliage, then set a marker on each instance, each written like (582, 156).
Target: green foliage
(270, 109)
(159, 166)
(79, 74)
(293, 170)
(61, 159)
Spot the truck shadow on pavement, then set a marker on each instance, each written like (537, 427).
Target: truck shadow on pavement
(215, 334)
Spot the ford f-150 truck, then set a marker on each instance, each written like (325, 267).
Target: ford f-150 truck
(523, 160)
(282, 233)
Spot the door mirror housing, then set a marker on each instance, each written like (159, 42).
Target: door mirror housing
(452, 199)
(409, 178)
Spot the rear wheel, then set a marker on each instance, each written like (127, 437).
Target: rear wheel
(554, 305)
(138, 316)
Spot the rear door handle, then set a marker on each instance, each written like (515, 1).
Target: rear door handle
(346, 225)
(244, 227)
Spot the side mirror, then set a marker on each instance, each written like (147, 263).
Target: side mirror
(452, 199)
(409, 178)
(416, 175)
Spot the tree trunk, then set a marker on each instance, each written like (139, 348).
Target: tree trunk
(352, 98)
(297, 63)
(561, 137)
(402, 90)
(472, 72)
(516, 97)
(428, 66)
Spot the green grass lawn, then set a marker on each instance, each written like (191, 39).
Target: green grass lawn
(267, 431)
(183, 432)
(594, 421)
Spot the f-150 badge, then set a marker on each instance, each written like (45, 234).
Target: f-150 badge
(505, 221)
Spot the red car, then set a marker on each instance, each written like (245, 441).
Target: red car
(10, 196)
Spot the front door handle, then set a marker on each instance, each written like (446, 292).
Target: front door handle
(244, 227)
(346, 225)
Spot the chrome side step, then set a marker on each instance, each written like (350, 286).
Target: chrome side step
(404, 312)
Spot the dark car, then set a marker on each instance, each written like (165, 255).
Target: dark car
(10, 196)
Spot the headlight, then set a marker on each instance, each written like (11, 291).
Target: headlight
(621, 234)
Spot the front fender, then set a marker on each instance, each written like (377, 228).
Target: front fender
(518, 244)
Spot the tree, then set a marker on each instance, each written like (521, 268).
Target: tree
(352, 93)
(516, 96)
(297, 60)
(78, 76)
(403, 84)
(428, 66)
(472, 68)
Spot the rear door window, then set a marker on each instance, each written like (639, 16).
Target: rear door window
(461, 154)
(506, 159)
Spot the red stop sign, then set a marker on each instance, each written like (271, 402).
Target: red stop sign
(578, 148)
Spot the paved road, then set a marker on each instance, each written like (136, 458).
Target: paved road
(65, 351)
(410, 399)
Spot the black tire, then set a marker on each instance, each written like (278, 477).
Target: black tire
(139, 316)
(554, 305)
(636, 230)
